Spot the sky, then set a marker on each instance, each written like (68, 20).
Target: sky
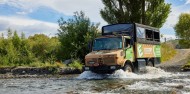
(40, 16)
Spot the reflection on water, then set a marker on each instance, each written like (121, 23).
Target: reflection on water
(154, 81)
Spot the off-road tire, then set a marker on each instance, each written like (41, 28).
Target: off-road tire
(150, 63)
(128, 68)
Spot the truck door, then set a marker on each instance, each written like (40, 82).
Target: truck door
(129, 54)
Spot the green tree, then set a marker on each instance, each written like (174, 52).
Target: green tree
(75, 34)
(148, 12)
(182, 30)
(2, 36)
(9, 33)
(43, 47)
(23, 36)
(14, 51)
(16, 40)
(21, 51)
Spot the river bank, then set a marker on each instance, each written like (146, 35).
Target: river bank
(178, 62)
(32, 72)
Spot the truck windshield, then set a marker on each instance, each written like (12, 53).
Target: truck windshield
(107, 44)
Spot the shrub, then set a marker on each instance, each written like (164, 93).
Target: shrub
(167, 52)
(76, 64)
(75, 34)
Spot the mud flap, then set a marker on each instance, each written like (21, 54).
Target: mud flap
(141, 65)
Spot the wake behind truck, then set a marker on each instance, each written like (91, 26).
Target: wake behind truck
(127, 46)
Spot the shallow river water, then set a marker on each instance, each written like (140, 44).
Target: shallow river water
(154, 81)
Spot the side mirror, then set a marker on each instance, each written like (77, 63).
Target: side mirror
(127, 47)
(90, 45)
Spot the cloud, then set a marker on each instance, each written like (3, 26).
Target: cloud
(28, 26)
(30, 9)
(187, 2)
(21, 13)
(4, 25)
(67, 7)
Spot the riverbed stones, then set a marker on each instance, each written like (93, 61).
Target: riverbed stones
(35, 72)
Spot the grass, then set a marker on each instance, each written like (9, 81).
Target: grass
(37, 64)
(46, 64)
(76, 64)
(52, 68)
(167, 52)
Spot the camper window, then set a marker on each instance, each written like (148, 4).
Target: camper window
(156, 36)
(149, 35)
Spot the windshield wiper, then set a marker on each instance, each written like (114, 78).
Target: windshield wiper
(116, 48)
(104, 49)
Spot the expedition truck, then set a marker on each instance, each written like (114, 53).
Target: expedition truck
(127, 46)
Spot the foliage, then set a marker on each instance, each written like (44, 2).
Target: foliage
(182, 30)
(38, 50)
(167, 52)
(75, 34)
(46, 64)
(76, 64)
(44, 48)
(14, 51)
(148, 12)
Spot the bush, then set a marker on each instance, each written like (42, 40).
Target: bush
(76, 64)
(182, 30)
(75, 34)
(33, 51)
(46, 64)
(167, 52)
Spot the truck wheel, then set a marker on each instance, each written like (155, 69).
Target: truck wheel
(150, 63)
(128, 68)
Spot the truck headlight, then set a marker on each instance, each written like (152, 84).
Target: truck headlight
(86, 68)
(112, 67)
(91, 62)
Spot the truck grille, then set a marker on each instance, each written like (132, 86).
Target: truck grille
(109, 60)
(104, 60)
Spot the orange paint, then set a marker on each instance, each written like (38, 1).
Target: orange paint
(148, 50)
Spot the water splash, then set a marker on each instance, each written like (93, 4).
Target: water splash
(91, 75)
(151, 73)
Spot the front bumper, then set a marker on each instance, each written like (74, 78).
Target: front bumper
(102, 69)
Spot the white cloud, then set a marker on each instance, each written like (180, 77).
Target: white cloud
(22, 13)
(187, 2)
(90, 7)
(68, 7)
(28, 26)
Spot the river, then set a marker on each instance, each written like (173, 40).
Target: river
(154, 81)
